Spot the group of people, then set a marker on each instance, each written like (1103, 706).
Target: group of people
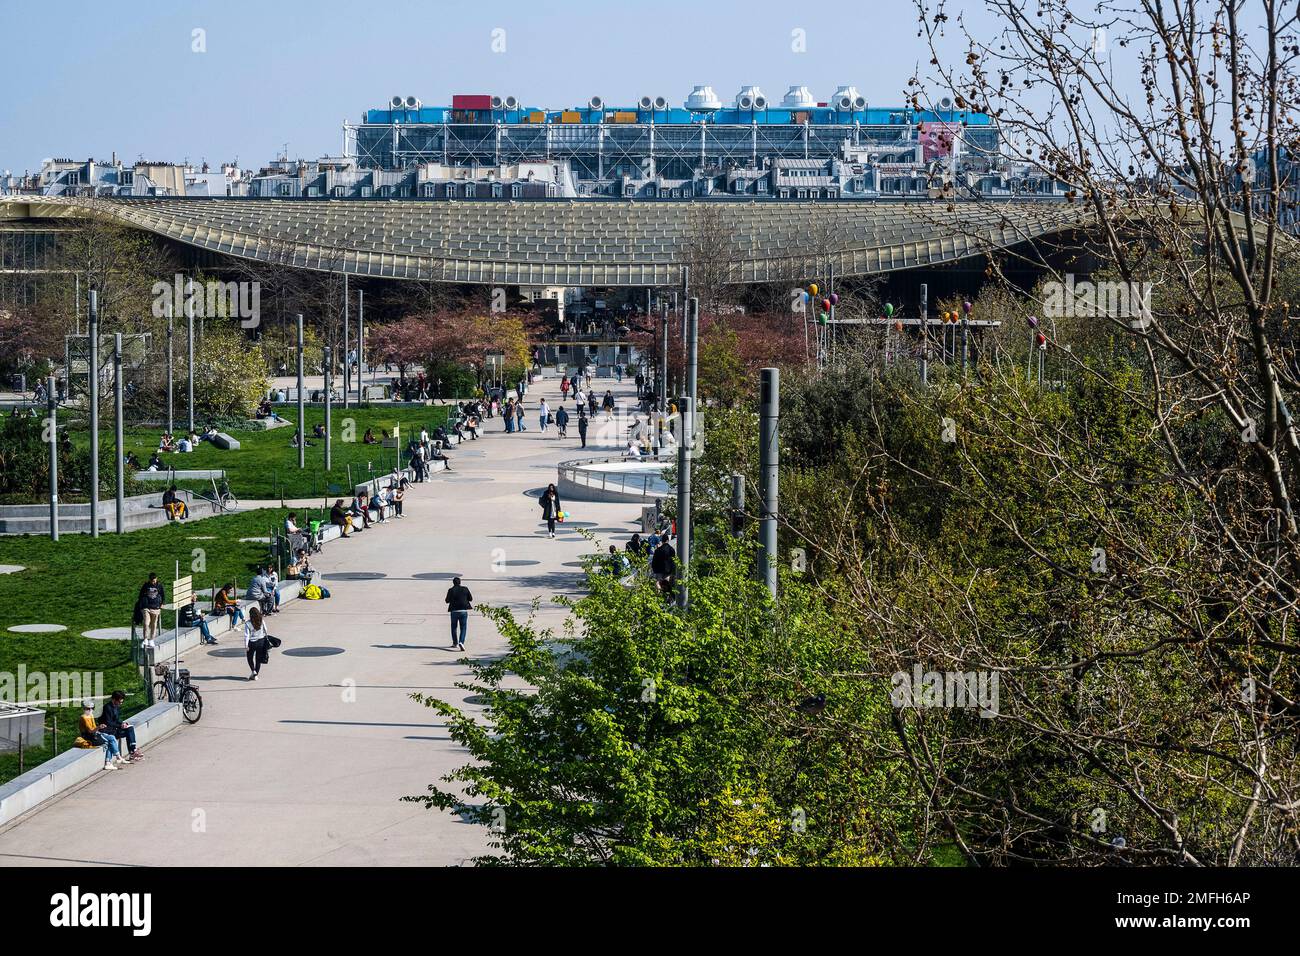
(107, 730)
(357, 510)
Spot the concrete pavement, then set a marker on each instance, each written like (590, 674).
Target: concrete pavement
(307, 765)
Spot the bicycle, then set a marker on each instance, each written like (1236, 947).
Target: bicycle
(222, 496)
(175, 687)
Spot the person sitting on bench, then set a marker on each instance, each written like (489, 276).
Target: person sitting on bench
(173, 505)
(190, 617)
(90, 734)
(361, 509)
(225, 602)
(115, 726)
(262, 591)
(341, 517)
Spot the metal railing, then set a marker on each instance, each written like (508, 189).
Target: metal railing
(624, 482)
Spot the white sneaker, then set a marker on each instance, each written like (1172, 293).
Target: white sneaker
(109, 766)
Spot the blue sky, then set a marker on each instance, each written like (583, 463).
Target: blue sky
(91, 79)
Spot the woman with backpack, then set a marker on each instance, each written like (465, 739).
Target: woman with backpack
(551, 508)
(255, 641)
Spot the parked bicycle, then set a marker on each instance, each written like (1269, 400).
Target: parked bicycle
(175, 686)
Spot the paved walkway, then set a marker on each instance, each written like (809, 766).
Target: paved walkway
(306, 766)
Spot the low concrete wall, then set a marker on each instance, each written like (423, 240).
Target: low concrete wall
(62, 773)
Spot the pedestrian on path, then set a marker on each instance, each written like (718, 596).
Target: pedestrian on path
(562, 422)
(459, 601)
(149, 607)
(255, 642)
(582, 425)
(544, 413)
(509, 415)
(519, 416)
(564, 388)
(551, 508)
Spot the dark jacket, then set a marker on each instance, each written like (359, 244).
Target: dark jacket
(337, 515)
(582, 424)
(459, 598)
(547, 510)
(663, 559)
(151, 596)
(561, 417)
(111, 718)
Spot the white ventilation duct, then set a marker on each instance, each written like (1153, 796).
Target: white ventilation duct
(859, 102)
(945, 103)
(703, 100)
(512, 103)
(412, 103)
(496, 103)
(646, 103)
(750, 98)
(396, 102)
(798, 98)
(661, 102)
(596, 103)
(845, 99)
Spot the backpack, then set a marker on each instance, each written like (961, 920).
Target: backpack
(312, 592)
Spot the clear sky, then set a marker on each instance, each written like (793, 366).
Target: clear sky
(96, 77)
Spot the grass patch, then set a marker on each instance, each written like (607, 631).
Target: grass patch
(266, 466)
(87, 583)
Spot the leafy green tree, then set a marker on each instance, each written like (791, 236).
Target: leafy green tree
(230, 376)
(650, 737)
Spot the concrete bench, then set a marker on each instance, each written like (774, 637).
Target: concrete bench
(188, 638)
(225, 442)
(60, 774)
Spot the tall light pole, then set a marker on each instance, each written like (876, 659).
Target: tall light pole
(117, 425)
(302, 408)
(52, 424)
(171, 423)
(93, 326)
(189, 313)
(692, 352)
(769, 460)
(347, 365)
(662, 390)
(329, 385)
(361, 339)
(684, 502)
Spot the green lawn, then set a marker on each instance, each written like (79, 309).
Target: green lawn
(87, 583)
(266, 466)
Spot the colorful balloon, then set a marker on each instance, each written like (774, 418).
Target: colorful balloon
(813, 288)
(967, 307)
(1033, 321)
(1042, 340)
(826, 304)
(835, 298)
(889, 308)
(898, 326)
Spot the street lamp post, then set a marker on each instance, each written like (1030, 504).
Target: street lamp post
(52, 424)
(117, 426)
(302, 408)
(93, 326)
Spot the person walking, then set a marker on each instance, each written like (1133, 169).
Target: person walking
(551, 508)
(562, 422)
(607, 403)
(640, 385)
(519, 416)
(459, 601)
(618, 373)
(591, 402)
(255, 641)
(564, 388)
(544, 413)
(582, 425)
(149, 606)
(508, 413)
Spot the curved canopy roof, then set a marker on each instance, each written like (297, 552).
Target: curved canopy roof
(576, 242)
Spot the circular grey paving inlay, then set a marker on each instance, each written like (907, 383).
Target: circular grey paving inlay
(261, 540)
(109, 634)
(438, 575)
(312, 651)
(227, 652)
(614, 530)
(355, 575)
(521, 562)
(11, 568)
(38, 628)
